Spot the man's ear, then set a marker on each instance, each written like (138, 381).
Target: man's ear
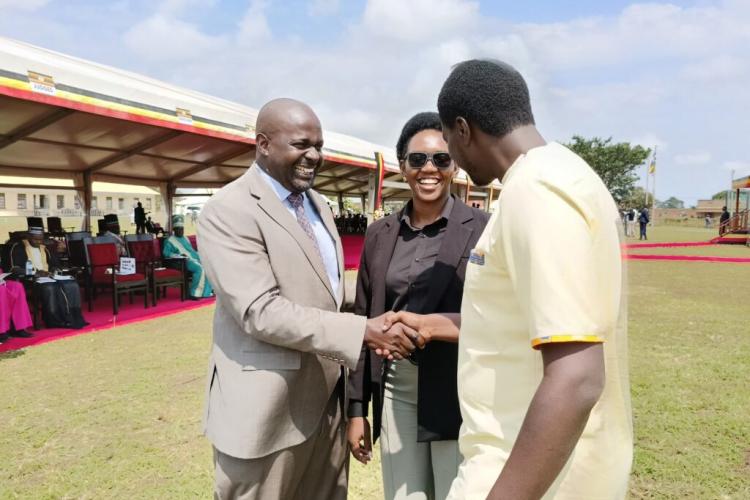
(402, 167)
(463, 131)
(261, 144)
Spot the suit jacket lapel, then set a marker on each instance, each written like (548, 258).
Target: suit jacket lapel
(270, 203)
(457, 237)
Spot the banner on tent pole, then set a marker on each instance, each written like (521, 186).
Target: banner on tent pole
(380, 172)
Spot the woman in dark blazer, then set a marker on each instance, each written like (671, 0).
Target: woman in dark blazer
(414, 260)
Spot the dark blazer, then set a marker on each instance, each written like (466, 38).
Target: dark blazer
(18, 256)
(438, 414)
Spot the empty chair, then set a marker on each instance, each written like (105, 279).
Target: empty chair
(103, 272)
(149, 261)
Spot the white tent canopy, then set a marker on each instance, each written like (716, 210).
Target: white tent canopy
(64, 117)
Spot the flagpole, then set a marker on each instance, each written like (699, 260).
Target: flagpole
(653, 197)
(647, 176)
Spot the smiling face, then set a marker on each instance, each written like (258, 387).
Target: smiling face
(429, 183)
(290, 145)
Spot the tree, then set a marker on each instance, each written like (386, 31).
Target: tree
(638, 198)
(671, 203)
(614, 162)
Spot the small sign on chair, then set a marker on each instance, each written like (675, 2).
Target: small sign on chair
(127, 265)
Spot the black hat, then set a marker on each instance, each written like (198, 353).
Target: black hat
(111, 220)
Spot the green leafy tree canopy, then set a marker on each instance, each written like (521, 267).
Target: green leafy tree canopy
(614, 162)
(672, 202)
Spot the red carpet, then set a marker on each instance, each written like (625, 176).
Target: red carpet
(671, 245)
(102, 319)
(353, 245)
(692, 258)
(737, 239)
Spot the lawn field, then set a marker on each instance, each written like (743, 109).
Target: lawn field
(116, 414)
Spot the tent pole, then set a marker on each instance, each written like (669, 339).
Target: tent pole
(87, 197)
(169, 204)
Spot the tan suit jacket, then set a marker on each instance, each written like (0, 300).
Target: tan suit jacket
(278, 339)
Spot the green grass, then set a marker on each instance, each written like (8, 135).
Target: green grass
(116, 414)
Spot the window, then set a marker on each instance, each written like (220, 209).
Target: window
(109, 203)
(41, 201)
(94, 202)
(121, 203)
(60, 201)
(158, 203)
(148, 203)
(77, 202)
(2, 200)
(21, 201)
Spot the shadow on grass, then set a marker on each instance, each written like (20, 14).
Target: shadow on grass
(12, 354)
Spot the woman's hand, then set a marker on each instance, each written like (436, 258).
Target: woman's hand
(442, 327)
(358, 436)
(416, 322)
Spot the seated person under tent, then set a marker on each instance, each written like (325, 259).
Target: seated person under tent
(60, 298)
(178, 245)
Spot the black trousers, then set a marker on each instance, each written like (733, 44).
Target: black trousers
(61, 304)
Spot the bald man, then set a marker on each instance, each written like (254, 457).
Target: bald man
(281, 347)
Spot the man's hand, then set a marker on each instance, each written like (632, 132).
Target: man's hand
(358, 436)
(416, 322)
(430, 327)
(396, 342)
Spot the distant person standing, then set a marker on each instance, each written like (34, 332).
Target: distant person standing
(643, 220)
(140, 219)
(631, 223)
(724, 220)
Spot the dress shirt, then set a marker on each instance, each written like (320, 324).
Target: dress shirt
(325, 240)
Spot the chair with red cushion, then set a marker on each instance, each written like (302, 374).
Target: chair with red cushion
(148, 260)
(103, 272)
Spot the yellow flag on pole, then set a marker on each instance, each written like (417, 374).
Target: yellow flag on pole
(652, 168)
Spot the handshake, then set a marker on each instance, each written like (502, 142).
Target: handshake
(396, 335)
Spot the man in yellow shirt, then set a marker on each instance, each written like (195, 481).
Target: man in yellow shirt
(542, 370)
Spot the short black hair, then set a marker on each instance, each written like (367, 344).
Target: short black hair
(489, 94)
(428, 120)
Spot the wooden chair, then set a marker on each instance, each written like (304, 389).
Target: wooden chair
(103, 257)
(149, 261)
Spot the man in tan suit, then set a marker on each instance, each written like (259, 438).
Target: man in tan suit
(280, 345)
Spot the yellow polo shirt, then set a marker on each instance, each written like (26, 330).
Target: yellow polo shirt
(547, 269)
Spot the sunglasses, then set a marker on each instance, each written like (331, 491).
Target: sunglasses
(441, 160)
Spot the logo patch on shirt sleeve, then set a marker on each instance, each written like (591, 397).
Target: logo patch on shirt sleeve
(476, 256)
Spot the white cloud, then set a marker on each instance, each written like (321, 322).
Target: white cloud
(254, 26)
(419, 20)
(740, 168)
(25, 5)
(163, 38)
(323, 7)
(694, 158)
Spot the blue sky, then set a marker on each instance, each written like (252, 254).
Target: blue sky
(657, 73)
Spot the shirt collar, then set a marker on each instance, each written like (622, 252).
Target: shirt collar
(282, 192)
(444, 215)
